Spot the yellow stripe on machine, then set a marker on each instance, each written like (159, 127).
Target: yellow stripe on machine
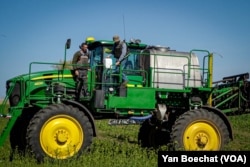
(133, 85)
(52, 76)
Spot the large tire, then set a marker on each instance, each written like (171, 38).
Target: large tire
(18, 137)
(151, 136)
(199, 130)
(18, 132)
(144, 133)
(59, 132)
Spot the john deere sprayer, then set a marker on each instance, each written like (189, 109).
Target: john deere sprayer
(171, 92)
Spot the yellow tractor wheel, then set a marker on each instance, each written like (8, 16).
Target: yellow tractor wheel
(199, 130)
(59, 132)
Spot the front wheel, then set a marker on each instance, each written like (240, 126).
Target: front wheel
(59, 131)
(199, 130)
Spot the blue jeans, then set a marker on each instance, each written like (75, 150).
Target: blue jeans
(117, 68)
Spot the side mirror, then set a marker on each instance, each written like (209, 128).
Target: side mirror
(68, 43)
(67, 46)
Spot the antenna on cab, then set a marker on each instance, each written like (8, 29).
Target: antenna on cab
(124, 33)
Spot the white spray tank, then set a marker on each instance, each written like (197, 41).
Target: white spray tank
(170, 68)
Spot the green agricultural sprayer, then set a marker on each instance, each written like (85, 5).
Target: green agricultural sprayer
(171, 93)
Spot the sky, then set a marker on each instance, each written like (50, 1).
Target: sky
(36, 30)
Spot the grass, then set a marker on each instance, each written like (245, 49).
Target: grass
(117, 146)
(241, 133)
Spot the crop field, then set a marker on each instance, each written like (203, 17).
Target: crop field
(117, 146)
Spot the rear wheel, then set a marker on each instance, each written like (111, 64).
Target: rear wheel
(151, 135)
(60, 132)
(144, 134)
(199, 130)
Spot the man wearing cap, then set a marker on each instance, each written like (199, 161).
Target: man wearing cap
(80, 66)
(120, 51)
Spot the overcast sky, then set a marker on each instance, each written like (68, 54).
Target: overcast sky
(36, 30)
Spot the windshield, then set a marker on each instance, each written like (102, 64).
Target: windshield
(99, 53)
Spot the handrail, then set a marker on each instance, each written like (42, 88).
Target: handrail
(183, 73)
(209, 68)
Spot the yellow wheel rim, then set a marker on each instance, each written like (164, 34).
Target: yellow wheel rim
(61, 136)
(202, 135)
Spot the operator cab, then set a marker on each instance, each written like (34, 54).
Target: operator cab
(103, 62)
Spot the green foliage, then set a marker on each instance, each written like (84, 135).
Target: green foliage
(117, 146)
(241, 133)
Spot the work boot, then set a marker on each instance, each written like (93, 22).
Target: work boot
(86, 93)
(124, 84)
